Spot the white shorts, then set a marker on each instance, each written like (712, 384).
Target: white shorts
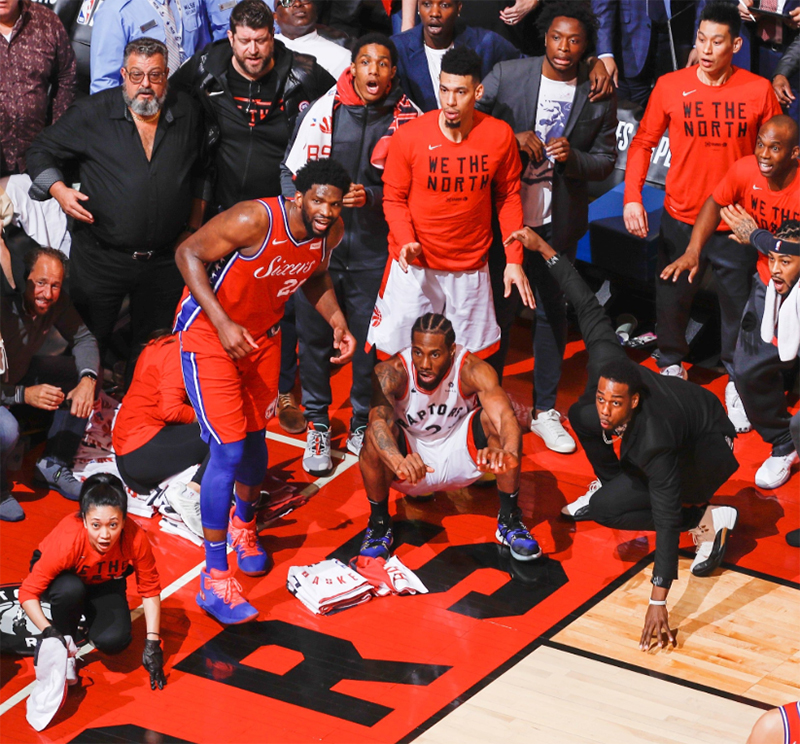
(463, 297)
(452, 459)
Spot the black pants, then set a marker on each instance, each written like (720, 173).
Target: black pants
(101, 278)
(168, 453)
(288, 348)
(623, 502)
(65, 430)
(759, 377)
(108, 617)
(356, 292)
(733, 266)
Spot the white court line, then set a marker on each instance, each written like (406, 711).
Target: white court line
(348, 461)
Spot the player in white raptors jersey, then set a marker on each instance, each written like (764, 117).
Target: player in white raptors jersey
(439, 420)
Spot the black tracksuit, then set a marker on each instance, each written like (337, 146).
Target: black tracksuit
(676, 451)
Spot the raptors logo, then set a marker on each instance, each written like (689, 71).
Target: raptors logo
(376, 318)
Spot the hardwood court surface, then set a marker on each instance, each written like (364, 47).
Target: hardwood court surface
(498, 651)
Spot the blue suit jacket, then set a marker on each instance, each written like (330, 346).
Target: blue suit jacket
(627, 23)
(412, 64)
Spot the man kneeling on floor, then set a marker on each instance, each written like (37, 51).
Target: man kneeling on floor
(676, 448)
(439, 420)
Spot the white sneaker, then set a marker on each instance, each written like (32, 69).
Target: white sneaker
(548, 426)
(317, 457)
(711, 538)
(579, 509)
(775, 471)
(355, 440)
(735, 407)
(675, 370)
(186, 502)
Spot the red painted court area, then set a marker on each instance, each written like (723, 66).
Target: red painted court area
(382, 671)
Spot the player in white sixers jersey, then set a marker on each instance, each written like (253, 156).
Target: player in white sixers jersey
(439, 420)
(230, 349)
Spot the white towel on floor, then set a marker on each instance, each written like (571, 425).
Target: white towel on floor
(786, 316)
(53, 674)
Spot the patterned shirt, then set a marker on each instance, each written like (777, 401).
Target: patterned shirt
(37, 56)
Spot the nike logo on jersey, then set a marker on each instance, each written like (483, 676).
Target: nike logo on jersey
(688, 92)
(757, 188)
(280, 242)
(433, 147)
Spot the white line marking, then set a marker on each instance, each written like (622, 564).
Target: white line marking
(348, 461)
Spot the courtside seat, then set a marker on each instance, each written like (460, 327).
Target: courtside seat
(608, 246)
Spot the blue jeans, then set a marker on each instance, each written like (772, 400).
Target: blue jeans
(9, 435)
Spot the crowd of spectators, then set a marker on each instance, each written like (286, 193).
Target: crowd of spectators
(197, 106)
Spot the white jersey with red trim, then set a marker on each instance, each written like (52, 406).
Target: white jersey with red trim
(432, 415)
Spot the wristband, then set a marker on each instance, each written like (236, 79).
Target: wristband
(658, 602)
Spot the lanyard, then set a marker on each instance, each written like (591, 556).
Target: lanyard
(168, 19)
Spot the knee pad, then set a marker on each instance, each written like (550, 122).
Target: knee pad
(253, 466)
(216, 490)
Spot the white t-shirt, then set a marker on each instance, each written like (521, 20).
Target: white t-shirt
(435, 67)
(552, 113)
(331, 57)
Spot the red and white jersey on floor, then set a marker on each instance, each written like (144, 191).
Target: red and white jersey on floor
(432, 415)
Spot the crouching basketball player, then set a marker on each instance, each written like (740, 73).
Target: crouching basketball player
(230, 345)
(439, 420)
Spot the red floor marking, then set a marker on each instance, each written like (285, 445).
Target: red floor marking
(421, 630)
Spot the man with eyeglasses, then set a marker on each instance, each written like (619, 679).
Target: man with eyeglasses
(137, 148)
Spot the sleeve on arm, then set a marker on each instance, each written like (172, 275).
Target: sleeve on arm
(66, 68)
(396, 189)
(506, 196)
(148, 582)
(172, 403)
(790, 62)
(654, 123)
(604, 10)
(62, 141)
(84, 345)
(108, 42)
(56, 557)
(727, 191)
(665, 498)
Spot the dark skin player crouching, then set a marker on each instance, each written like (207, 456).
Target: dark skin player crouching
(439, 420)
(676, 449)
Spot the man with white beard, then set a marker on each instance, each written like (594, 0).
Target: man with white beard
(137, 150)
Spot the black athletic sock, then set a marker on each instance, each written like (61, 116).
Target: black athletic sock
(379, 513)
(508, 502)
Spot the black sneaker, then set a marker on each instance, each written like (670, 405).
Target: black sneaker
(57, 476)
(377, 542)
(512, 532)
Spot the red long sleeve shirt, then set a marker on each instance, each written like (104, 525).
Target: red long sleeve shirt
(67, 548)
(156, 398)
(440, 193)
(710, 128)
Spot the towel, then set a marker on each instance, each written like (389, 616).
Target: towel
(782, 319)
(54, 673)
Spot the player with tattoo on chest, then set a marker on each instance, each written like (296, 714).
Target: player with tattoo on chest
(439, 420)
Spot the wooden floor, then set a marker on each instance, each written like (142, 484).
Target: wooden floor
(497, 652)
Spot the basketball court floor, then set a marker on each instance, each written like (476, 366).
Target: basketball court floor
(498, 651)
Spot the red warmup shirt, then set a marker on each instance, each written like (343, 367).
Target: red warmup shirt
(743, 184)
(710, 128)
(67, 548)
(156, 398)
(439, 193)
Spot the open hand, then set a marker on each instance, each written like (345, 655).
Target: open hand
(656, 622)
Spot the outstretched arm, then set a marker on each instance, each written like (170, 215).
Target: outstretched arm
(240, 227)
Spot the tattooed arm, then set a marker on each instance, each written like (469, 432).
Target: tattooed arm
(389, 382)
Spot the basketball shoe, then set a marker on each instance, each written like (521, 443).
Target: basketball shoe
(221, 597)
(243, 538)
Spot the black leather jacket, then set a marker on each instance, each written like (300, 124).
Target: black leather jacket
(247, 158)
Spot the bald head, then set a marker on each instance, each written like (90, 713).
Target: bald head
(787, 127)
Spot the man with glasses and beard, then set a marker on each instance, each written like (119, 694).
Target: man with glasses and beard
(137, 150)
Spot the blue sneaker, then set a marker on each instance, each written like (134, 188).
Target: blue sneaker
(243, 538)
(377, 542)
(221, 597)
(514, 533)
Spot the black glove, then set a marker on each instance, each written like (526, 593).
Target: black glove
(48, 632)
(153, 661)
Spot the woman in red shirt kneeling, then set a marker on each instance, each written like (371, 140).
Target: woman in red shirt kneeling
(80, 569)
